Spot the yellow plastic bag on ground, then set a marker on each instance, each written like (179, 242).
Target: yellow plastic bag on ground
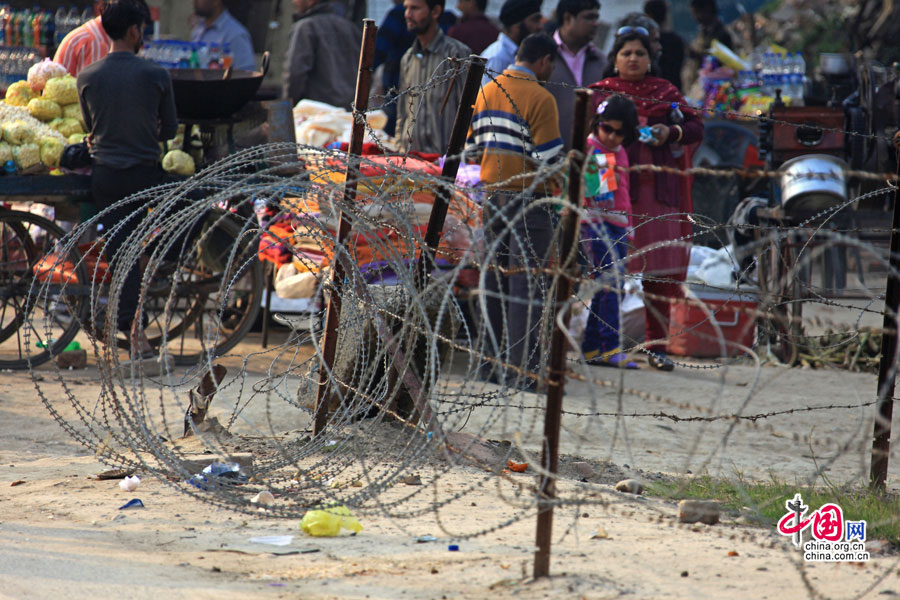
(328, 522)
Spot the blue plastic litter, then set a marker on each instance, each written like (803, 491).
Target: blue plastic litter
(133, 503)
(219, 474)
(453, 548)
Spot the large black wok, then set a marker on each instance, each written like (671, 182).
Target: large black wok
(214, 93)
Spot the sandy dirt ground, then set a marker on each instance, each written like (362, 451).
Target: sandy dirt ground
(63, 535)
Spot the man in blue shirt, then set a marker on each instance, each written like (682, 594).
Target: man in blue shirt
(217, 26)
(520, 18)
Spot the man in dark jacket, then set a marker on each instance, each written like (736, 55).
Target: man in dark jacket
(579, 63)
(322, 57)
(671, 59)
(128, 107)
(474, 30)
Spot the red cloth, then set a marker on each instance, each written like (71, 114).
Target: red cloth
(475, 32)
(368, 149)
(660, 201)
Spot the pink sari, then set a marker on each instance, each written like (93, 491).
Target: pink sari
(660, 201)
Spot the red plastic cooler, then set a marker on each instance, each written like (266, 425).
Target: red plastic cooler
(727, 322)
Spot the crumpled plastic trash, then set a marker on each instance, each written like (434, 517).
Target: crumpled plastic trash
(328, 522)
(273, 540)
(263, 498)
(129, 484)
(177, 161)
(219, 474)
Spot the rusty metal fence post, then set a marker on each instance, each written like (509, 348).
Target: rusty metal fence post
(887, 366)
(558, 342)
(451, 166)
(351, 180)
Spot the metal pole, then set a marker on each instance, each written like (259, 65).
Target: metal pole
(351, 179)
(438, 215)
(881, 446)
(451, 166)
(557, 368)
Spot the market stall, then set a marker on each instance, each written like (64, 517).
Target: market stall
(39, 117)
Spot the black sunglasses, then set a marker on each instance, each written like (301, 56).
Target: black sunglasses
(629, 29)
(610, 130)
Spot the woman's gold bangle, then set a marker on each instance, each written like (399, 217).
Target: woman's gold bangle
(680, 133)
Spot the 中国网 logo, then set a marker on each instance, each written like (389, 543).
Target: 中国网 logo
(833, 538)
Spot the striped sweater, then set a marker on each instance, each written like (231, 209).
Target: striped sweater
(515, 138)
(83, 46)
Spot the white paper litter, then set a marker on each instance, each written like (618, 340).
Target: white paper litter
(273, 540)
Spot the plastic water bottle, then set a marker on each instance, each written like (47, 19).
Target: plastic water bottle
(194, 56)
(60, 20)
(72, 18)
(48, 32)
(780, 77)
(227, 56)
(676, 117)
(203, 54)
(215, 57)
(260, 208)
(184, 56)
(3, 15)
(766, 75)
(26, 30)
(798, 78)
(787, 82)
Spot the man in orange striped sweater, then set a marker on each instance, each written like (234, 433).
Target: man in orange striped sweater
(515, 129)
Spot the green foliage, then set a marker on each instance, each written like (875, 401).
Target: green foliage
(763, 501)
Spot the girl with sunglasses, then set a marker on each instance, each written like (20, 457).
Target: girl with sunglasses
(607, 226)
(661, 202)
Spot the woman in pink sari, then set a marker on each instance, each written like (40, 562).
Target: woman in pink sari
(661, 201)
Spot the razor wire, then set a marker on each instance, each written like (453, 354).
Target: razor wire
(198, 243)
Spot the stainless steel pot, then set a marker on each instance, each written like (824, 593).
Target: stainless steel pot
(813, 182)
(834, 64)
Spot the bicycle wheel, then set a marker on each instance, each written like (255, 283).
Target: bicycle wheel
(44, 290)
(209, 300)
